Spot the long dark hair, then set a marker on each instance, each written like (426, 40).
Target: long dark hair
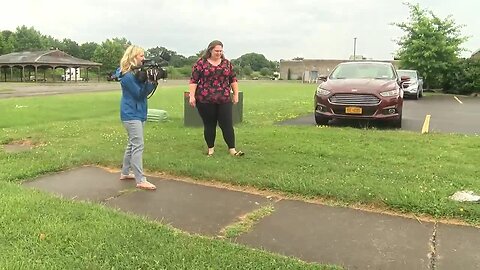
(208, 52)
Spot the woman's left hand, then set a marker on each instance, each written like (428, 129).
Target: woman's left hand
(235, 98)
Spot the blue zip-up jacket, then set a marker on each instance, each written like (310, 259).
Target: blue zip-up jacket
(133, 105)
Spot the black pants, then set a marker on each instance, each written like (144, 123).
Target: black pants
(213, 113)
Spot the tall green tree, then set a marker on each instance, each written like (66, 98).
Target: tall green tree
(110, 52)
(71, 47)
(87, 50)
(27, 39)
(6, 42)
(430, 44)
(51, 43)
(179, 60)
(2, 43)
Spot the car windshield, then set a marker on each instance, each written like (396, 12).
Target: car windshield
(363, 71)
(410, 73)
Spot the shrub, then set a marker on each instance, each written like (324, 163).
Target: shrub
(463, 77)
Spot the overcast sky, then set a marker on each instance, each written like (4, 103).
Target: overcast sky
(278, 29)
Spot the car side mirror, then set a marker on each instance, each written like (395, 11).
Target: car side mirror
(404, 81)
(322, 78)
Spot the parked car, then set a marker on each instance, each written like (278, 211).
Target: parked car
(360, 90)
(414, 86)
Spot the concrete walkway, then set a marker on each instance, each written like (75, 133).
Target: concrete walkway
(315, 233)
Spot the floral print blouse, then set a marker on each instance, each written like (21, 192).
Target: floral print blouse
(213, 82)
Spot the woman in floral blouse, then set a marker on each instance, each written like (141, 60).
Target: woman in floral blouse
(211, 83)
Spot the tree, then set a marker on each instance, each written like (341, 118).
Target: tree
(110, 52)
(3, 42)
(6, 42)
(51, 43)
(27, 39)
(87, 50)
(265, 71)
(71, 47)
(430, 44)
(192, 59)
(463, 77)
(247, 70)
(254, 60)
(178, 60)
(160, 54)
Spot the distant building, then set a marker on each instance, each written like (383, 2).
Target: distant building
(476, 55)
(308, 70)
(358, 57)
(30, 63)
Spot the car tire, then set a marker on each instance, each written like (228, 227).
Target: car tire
(417, 95)
(398, 122)
(320, 120)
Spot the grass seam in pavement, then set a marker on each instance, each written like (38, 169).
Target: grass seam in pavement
(246, 222)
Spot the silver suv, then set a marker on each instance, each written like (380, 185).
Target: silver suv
(414, 86)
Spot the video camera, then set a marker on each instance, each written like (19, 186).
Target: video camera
(151, 70)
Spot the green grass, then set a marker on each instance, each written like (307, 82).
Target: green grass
(246, 223)
(390, 169)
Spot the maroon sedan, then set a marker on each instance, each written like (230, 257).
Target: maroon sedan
(360, 90)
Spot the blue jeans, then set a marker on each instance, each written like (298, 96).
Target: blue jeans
(133, 157)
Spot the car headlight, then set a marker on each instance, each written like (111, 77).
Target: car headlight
(391, 93)
(322, 92)
(413, 86)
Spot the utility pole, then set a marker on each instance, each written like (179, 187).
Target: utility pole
(354, 48)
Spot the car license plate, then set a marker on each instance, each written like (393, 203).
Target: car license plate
(353, 110)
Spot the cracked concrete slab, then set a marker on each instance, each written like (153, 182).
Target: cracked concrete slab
(351, 238)
(190, 207)
(86, 183)
(458, 247)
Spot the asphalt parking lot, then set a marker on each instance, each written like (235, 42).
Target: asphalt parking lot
(12, 90)
(447, 113)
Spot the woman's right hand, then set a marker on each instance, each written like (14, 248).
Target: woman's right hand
(192, 101)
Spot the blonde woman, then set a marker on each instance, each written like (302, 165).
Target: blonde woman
(133, 113)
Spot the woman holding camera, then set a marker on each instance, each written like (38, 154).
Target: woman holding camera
(210, 88)
(133, 113)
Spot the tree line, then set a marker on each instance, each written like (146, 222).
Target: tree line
(109, 52)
